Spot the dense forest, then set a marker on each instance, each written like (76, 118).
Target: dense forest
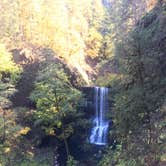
(58, 61)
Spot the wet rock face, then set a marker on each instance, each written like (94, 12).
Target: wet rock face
(88, 100)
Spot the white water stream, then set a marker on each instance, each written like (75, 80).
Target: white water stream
(100, 124)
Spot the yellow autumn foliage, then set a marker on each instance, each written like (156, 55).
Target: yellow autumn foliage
(6, 62)
(50, 131)
(30, 153)
(24, 131)
(7, 150)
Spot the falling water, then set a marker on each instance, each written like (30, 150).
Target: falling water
(99, 131)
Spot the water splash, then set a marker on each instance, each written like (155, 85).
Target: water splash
(99, 131)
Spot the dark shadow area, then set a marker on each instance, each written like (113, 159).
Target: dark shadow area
(25, 86)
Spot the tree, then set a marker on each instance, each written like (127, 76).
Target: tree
(141, 92)
(10, 132)
(56, 101)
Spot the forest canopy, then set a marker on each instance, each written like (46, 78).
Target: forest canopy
(59, 59)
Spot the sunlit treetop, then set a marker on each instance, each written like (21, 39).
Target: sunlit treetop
(6, 63)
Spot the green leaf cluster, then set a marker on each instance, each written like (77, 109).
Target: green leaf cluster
(55, 98)
(139, 103)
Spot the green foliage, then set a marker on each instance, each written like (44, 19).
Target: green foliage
(11, 138)
(117, 157)
(15, 148)
(85, 28)
(7, 66)
(57, 103)
(9, 75)
(42, 157)
(72, 162)
(6, 63)
(140, 94)
(107, 80)
(55, 98)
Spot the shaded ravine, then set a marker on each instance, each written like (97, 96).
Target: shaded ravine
(25, 85)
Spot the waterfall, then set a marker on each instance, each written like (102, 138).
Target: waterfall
(100, 124)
